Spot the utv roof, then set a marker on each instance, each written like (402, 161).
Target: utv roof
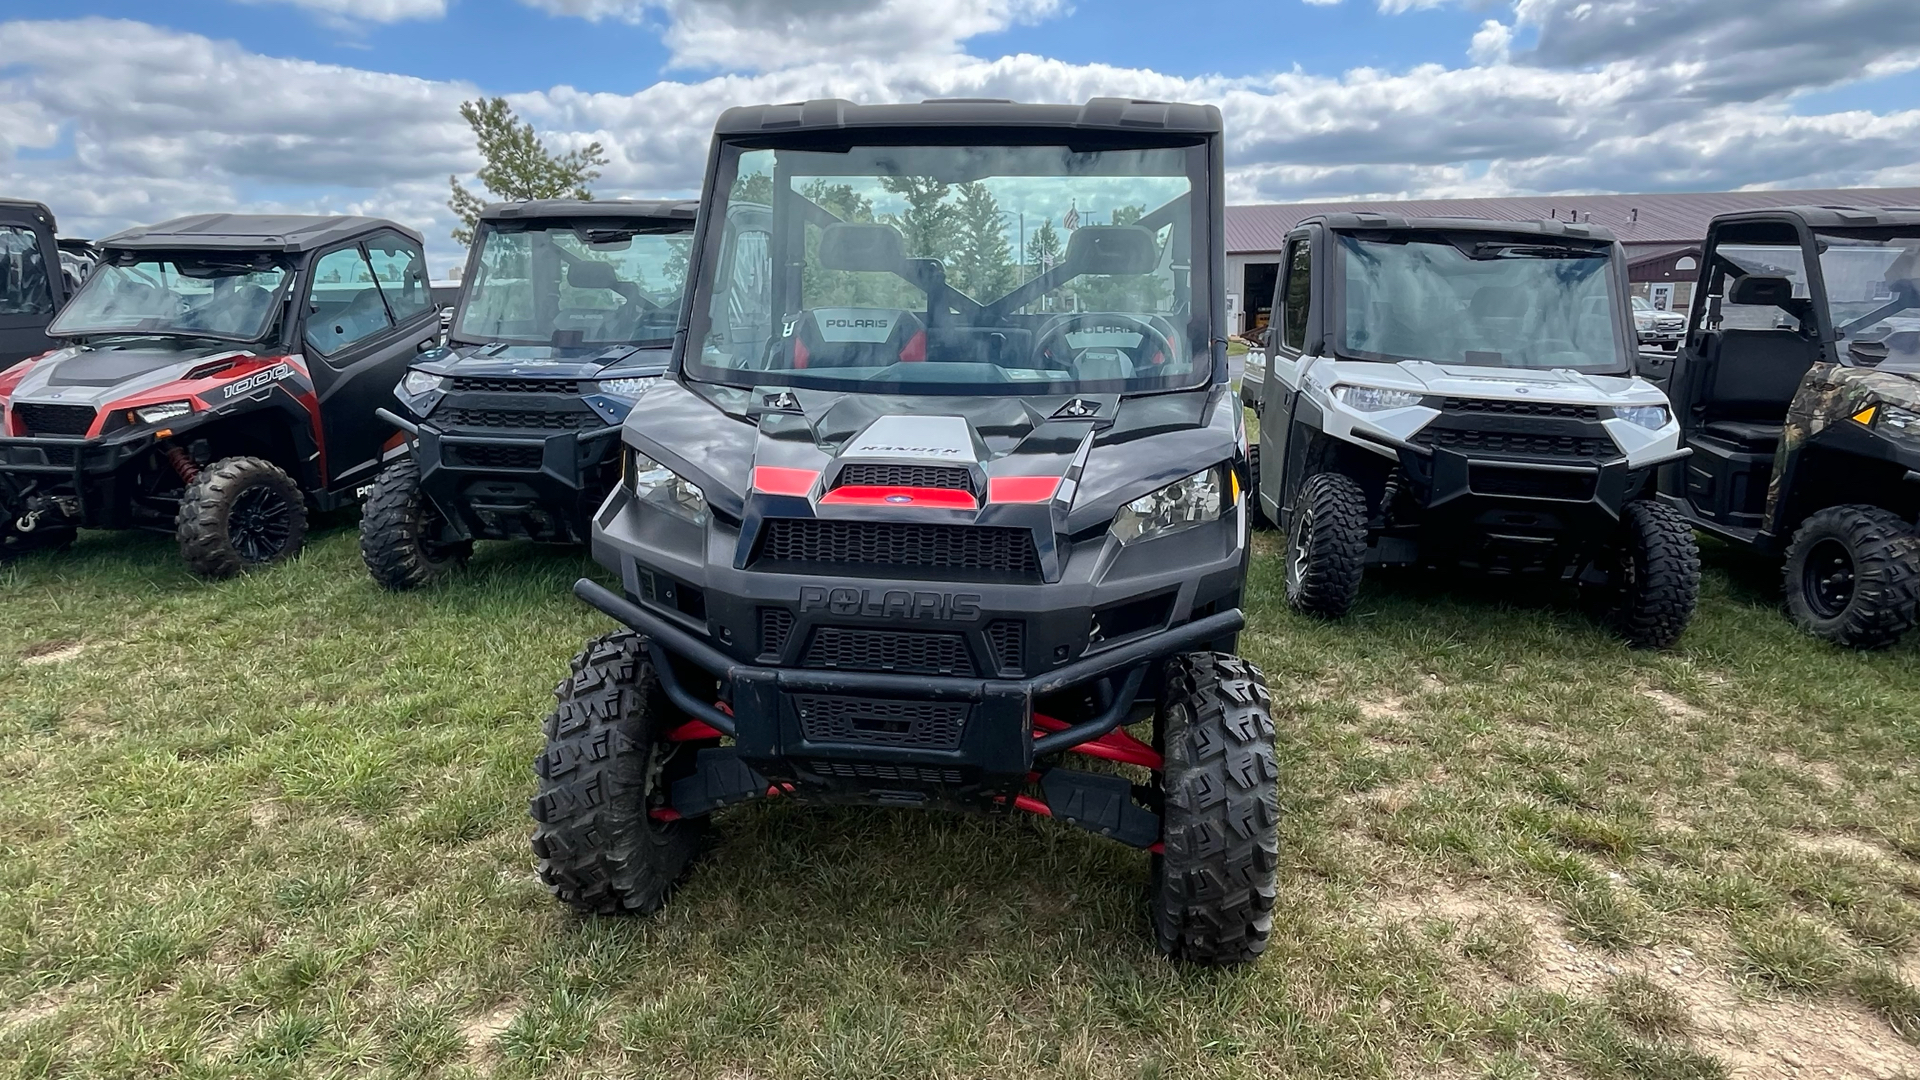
(1576, 230)
(1833, 217)
(1099, 114)
(250, 232)
(27, 208)
(658, 210)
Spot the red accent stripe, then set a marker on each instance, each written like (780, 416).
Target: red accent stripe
(775, 480)
(1022, 489)
(939, 498)
(916, 350)
(800, 355)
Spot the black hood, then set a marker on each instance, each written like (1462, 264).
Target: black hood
(502, 360)
(111, 365)
(1103, 448)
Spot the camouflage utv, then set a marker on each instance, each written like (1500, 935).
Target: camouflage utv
(1798, 392)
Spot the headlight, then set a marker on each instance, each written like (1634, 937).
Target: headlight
(627, 388)
(1651, 417)
(420, 382)
(155, 414)
(1180, 505)
(656, 484)
(1374, 398)
(1904, 421)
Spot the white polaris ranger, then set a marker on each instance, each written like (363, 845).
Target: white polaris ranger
(1455, 391)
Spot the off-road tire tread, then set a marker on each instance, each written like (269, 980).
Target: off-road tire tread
(1886, 568)
(598, 850)
(200, 523)
(1336, 511)
(1214, 884)
(1668, 589)
(1256, 513)
(390, 533)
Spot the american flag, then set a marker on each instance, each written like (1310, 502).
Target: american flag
(1072, 220)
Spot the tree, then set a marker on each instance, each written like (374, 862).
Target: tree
(517, 167)
(1043, 247)
(929, 220)
(983, 263)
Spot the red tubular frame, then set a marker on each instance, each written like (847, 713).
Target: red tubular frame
(1115, 745)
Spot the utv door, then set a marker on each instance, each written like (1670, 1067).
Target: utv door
(369, 311)
(1753, 341)
(1286, 364)
(31, 289)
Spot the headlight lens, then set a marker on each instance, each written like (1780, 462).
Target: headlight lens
(656, 484)
(1181, 505)
(420, 382)
(1904, 421)
(155, 414)
(1375, 398)
(627, 388)
(1651, 417)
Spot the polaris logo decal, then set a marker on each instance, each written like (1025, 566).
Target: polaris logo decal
(891, 604)
(874, 449)
(256, 380)
(850, 325)
(855, 323)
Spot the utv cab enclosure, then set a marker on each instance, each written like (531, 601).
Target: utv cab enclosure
(913, 522)
(568, 314)
(1799, 394)
(32, 286)
(219, 378)
(1460, 392)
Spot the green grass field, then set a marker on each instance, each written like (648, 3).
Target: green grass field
(277, 827)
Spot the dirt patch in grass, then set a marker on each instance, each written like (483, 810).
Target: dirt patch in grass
(482, 1031)
(51, 652)
(1849, 846)
(1672, 704)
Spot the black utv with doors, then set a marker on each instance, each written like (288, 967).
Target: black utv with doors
(218, 378)
(913, 523)
(1459, 392)
(567, 314)
(1798, 392)
(32, 285)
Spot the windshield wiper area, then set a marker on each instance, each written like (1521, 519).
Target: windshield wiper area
(1499, 249)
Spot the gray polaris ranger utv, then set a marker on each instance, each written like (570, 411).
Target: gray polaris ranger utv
(911, 523)
(567, 315)
(1460, 392)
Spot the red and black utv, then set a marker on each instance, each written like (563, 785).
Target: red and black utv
(922, 514)
(219, 378)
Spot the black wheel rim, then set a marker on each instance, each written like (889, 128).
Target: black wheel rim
(1827, 579)
(260, 524)
(1297, 547)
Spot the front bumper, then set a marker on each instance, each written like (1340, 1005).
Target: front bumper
(491, 485)
(83, 475)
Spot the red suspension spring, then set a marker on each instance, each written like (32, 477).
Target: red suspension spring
(182, 464)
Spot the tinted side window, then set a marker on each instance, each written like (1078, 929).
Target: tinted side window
(23, 274)
(1296, 296)
(401, 270)
(344, 304)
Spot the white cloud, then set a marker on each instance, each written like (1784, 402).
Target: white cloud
(376, 11)
(1491, 43)
(163, 123)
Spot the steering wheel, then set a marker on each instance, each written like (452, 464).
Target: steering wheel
(1156, 337)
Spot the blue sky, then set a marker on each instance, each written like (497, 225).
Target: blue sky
(117, 112)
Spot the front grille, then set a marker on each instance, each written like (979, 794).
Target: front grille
(775, 625)
(919, 476)
(1008, 637)
(1532, 483)
(507, 418)
(492, 456)
(1582, 447)
(61, 455)
(908, 653)
(473, 385)
(874, 770)
(926, 725)
(901, 543)
(55, 419)
(1520, 408)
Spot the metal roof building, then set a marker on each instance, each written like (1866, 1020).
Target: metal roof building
(1661, 232)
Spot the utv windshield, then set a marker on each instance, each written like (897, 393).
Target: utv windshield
(231, 298)
(600, 283)
(982, 269)
(1874, 298)
(1481, 300)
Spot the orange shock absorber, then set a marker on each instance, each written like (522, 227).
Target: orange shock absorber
(182, 464)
